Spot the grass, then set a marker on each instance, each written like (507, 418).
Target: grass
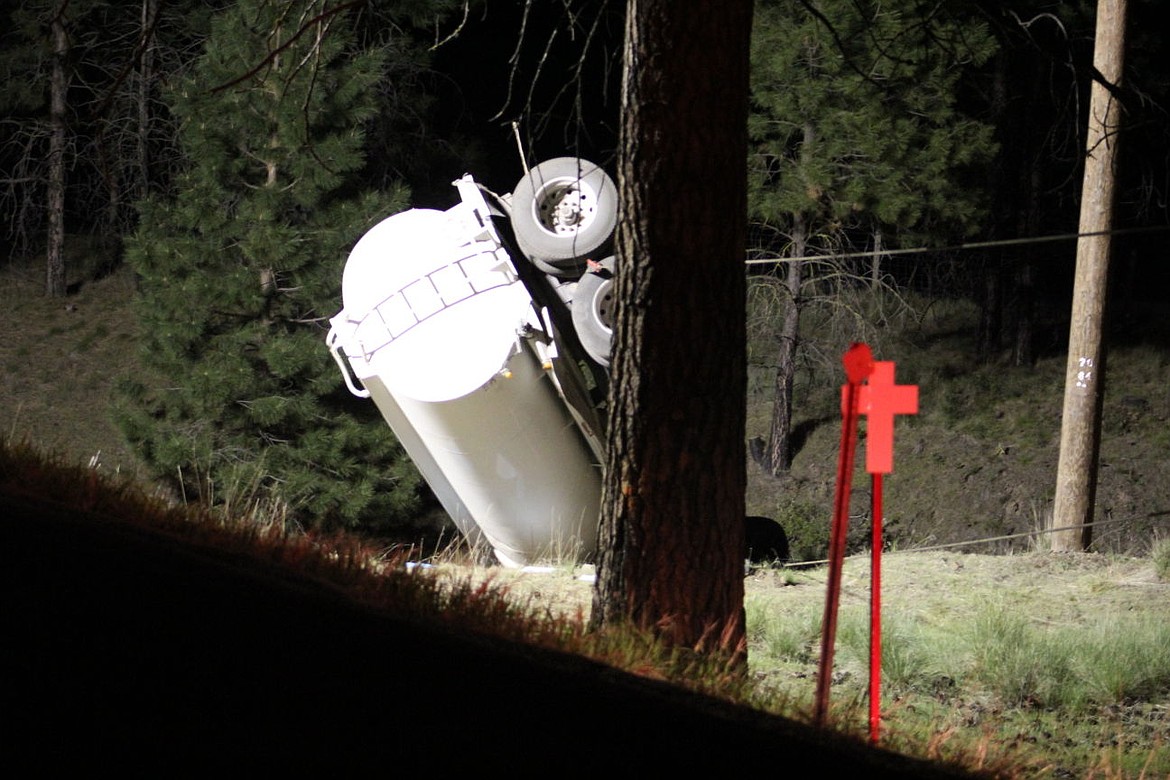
(1075, 685)
(780, 639)
(1160, 553)
(63, 361)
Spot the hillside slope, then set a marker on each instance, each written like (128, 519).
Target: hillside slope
(977, 462)
(155, 654)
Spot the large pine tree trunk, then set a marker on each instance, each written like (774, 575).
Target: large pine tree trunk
(58, 83)
(671, 539)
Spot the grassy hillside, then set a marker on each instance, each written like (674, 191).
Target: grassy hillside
(60, 362)
(979, 460)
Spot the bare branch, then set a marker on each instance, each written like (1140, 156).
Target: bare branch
(458, 29)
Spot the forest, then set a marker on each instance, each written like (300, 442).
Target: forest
(230, 153)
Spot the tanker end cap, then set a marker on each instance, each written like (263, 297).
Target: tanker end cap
(392, 254)
(437, 315)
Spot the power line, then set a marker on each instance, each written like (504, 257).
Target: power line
(959, 247)
(968, 543)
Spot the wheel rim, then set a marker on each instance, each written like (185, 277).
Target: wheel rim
(565, 206)
(602, 304)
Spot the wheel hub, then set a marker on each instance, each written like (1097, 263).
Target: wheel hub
(565, 207)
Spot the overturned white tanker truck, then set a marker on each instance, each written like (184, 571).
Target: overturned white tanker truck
(482, 333)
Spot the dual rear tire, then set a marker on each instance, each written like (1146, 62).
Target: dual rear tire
(564, 213)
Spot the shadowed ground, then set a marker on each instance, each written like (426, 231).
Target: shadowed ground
(128, 650)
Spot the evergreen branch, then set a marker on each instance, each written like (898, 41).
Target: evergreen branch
(272, 55)
(306, 106)
(808, 6)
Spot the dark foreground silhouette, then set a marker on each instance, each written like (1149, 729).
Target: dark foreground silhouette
(130, 651)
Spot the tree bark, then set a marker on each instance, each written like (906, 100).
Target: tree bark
(779, 454)
(990, 339)
(671, 537)
(780, 445)
(1024, 349)
(875, 266)
(1031, 184)
(58, 84)
(150, 9)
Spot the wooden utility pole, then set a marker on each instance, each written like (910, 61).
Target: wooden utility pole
(1080, 433)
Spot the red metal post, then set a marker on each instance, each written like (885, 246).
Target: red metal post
(875, 614)
(880, 401)
(858, 362)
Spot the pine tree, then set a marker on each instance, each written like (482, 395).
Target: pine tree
(876, 85)
(855, 132)
(38, 57)
(241, 268)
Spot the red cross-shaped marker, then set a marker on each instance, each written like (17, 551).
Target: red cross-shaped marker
(870, 391)
(879, 400)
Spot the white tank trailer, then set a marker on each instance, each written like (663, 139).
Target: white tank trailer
(482, 335)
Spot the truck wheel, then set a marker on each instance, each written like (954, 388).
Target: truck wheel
(593, 310)
(563, 211)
